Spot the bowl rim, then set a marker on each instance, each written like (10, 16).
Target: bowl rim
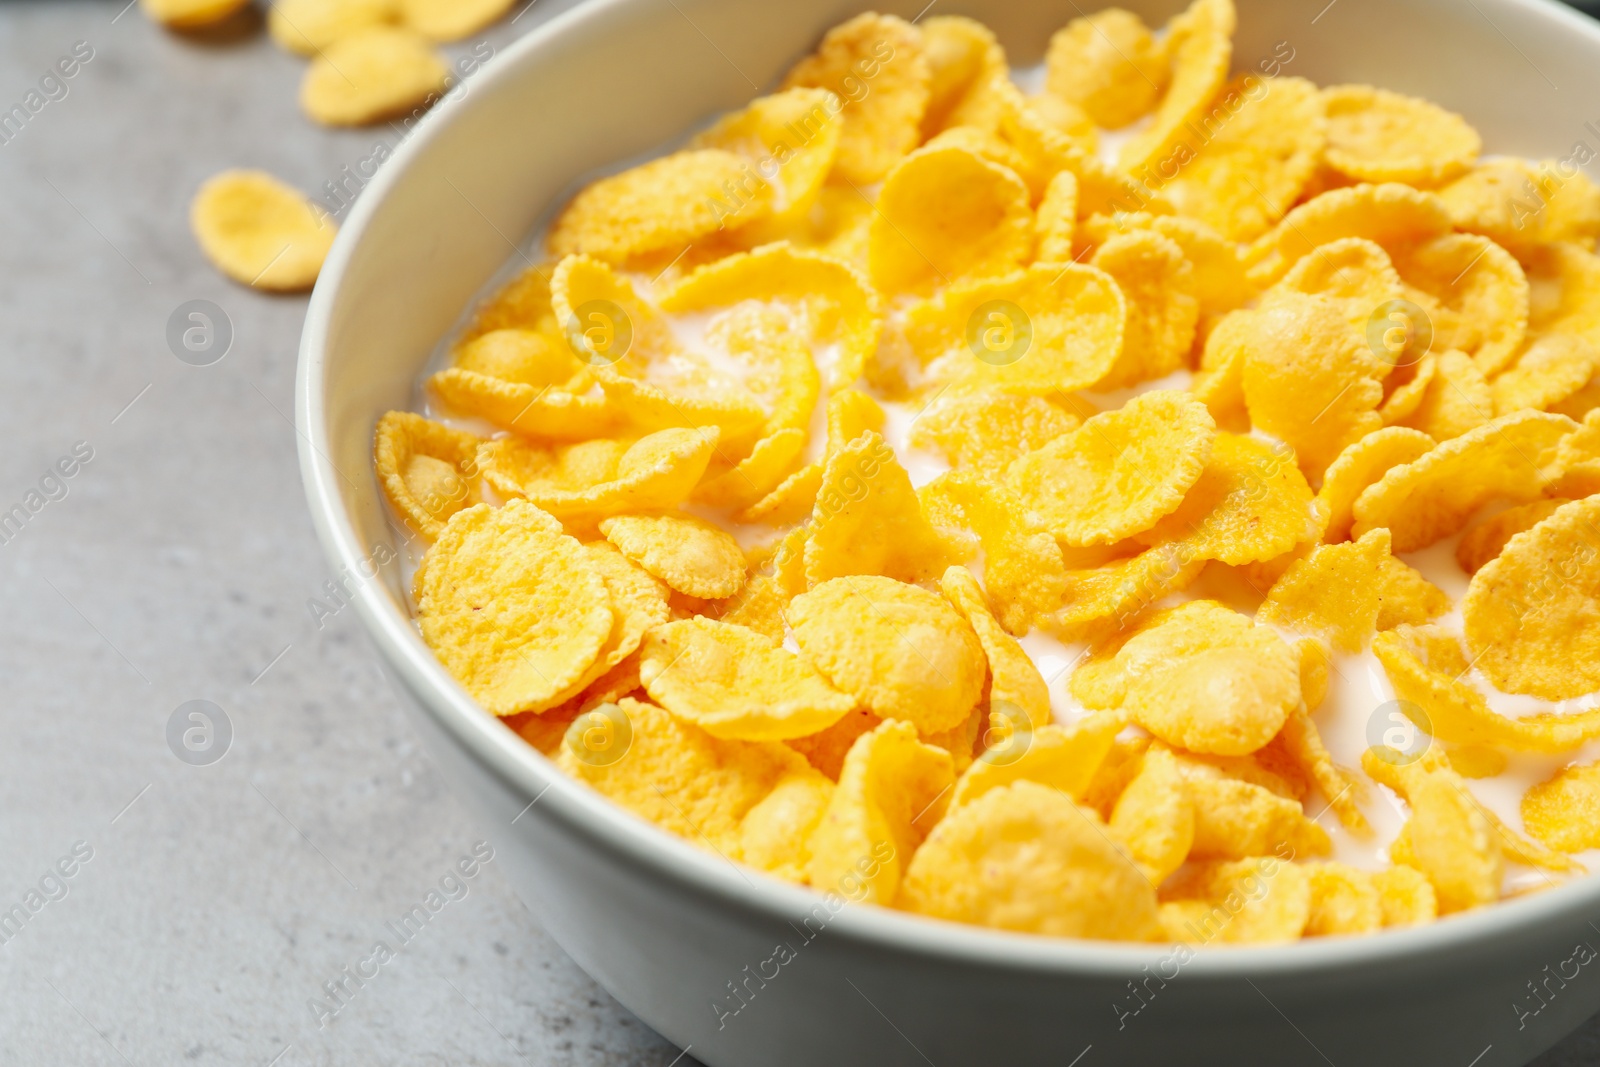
(498, 750)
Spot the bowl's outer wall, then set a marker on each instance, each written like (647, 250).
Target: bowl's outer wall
(608, 83)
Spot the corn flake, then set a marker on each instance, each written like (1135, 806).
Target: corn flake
(1200, 46)
(1074, 317)
(945, 214)
(1389, 214)
(1025, 857)
(601, 476)
(735, 683)
(689, 554)
(1456, 399)
(1522, 205)
(1330, 594)
(372, 75)
(1434, 495)
(986, 432)
(963, 58)
(1120, 472)
(1564, 810)
(512, 607)
(1529, 614)
(1157, 285)
(1251, 503)
(1344, 900)
(427, 469)
(1156, 815)
(1405, 896)
(1261, 900)
(190, 14)
(1205, 678)
(1485, 541)
(1378, 136)
(1550, 370)
(792, 139)
(1067, 758)
(901, 651)
(1109, 65)
(892, 789)
(1362, 463)
(867, 519)
(309, 26)
(1014, 681)
(1479, 296)
(884, 96)
(677, 775)
(260, 232)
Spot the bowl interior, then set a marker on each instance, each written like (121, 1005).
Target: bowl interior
(615, 79)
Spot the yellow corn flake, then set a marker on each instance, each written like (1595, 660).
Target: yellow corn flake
(1025, 857)
(1261, 900)
(602, 476)
(1310, 379)
(945, 214)
(735, 683)
(828, 301)
(1120, 472)
(1529, 614)
(986, 432)
(1434, 495)
(1344, 901)
(524, 356)
(309, 26)
(759, 606)
(1023, 572)
(1448, 837)
(1564, 810)
(1065, 334)
(1476, 761)
(689, 554)
(1521, 204)
(1200, 46)
(451, 20)
(1550, 370)
(1109, 65)
(867, 519)
(826, 749)
(190, 14)
(548, 611)
(961, 740)
(427, 469)
(1405, 596)
(792, 139)
(638, 602)
(1378, 136)
(876, 66)
(1235, 819)
(1155, 816)
(1427, 666)
(901, 651)
(1330, 594)
(1315, 664)
(992, 147)
(673, 773)
(1157, 285)
(1362, 463)
(1353, 272)
(1115, 593)
(1404, 397)
(1204, 678)
(529, 382)
(1056, 219)
(775, 834)
(892, 789)
(1456, 400)
(1575, 471)
(1389, 215)
(1014, 681)
(748, 481)
(1219, 279)
(1479, 296)
(1405, 897)
(1066, 758)
(632, 351)
(1485, 541)
(1564, 291)
(259, 231)
(662, 205)
(1062, 117)
(1301, 747)
(1219, 385)
(1251, 503)
(1262, 143)
(963, 58)
(372, 75)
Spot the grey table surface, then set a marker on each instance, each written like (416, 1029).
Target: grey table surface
(178, 564)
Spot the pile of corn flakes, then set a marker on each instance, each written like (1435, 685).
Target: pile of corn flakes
(1189, 401)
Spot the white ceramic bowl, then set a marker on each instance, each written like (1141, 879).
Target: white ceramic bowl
(669, 929)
